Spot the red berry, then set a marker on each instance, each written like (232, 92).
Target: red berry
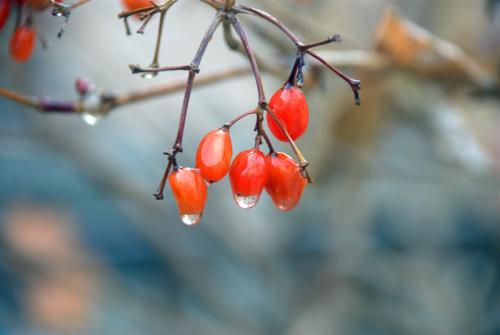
(248, 176)
(136, 4)
(190, 192)
(285, 182)
(290, 107)
(4, 12)
(20, 2)
(213, 157)
(22, 44)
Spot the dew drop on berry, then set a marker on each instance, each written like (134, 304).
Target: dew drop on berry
(246, 201)
(191, 219)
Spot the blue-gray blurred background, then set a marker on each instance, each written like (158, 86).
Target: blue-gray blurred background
(400, 234)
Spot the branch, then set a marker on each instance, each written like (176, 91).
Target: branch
(251, 56)
(61, 9)
(50, 105)
(235, 45)
(263, 103)
(177, 147)
(303, 48)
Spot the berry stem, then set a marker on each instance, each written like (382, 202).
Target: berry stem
(331, 39)
(268, 141)
(251, 56)
(161, 188)
(302, 160)
(353, 83)
(177, 147)
(239, 118)
(138, 69)
(292, 79)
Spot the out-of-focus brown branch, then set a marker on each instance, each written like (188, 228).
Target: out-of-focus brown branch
(113, 100)
(412, 48)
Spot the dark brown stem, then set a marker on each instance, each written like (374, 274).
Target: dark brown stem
(235, 45)
(268, 17)
(331, 39)
(251, 56)
(161, 188)
(177, 147)
(139, 69)
(353, 83)
(125, 14)
(262, 100)
(239, 118)
(302, 160)
(268, 141)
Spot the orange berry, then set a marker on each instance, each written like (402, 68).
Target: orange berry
(285, 182)
(190, 192)
(136, 4)
(290, 107)
(22, 44)
(248, 176)
(213, 157)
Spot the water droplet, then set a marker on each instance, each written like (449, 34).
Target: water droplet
(90, 119)
(246, 201)
(191, 219)
(148, 75)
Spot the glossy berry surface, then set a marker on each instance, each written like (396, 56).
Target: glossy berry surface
(290, 107)
(190, 192)
(285, 183)
(22, 44)
(4, 12)
(248, 177)
(213, 157)
(136, 4)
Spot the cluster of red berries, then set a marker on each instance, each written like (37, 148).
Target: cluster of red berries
(23, 39)
(251, 171)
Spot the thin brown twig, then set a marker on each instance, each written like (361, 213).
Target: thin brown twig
(231, 123)
(79, 3)
(263, 103)
(177, 147)
(354, 84)
(151, 69)
(48, 105)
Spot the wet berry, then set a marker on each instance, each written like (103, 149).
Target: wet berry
(290, 107)
(213, 157)
(190, 192)
(285, 183)
(248, 176)
(136, 4)
(22, 44)
(4, 12)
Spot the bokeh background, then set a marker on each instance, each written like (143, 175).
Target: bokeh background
(400, 234)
